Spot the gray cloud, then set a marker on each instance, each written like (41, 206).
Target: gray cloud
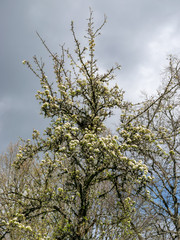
(139, 35)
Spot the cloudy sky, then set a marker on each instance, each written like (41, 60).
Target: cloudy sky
(139, 35)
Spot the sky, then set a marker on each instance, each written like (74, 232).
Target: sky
(139, 35)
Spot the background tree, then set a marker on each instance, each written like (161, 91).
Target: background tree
(7, 177)
(160, 115)
(11, 180)
(83, 181)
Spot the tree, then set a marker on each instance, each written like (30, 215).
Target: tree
(160, 116)
(11, 180)
(7, 176)
(81, 181)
